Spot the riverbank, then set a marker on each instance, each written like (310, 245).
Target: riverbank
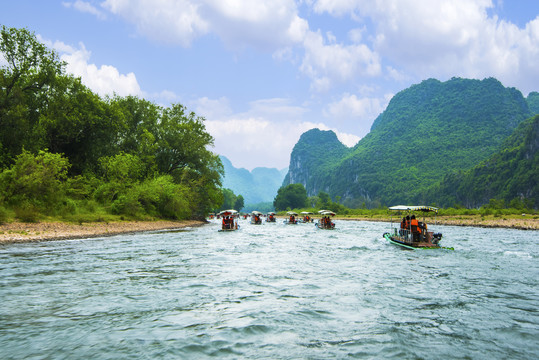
(17, 232)
(525, 222)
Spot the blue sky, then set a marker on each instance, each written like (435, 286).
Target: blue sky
(263, 72)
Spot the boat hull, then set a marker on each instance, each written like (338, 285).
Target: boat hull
(395, 241)
(324, 228)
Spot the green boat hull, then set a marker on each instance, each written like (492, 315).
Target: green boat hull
(387, 236)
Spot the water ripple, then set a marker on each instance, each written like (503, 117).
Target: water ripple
(272, 291)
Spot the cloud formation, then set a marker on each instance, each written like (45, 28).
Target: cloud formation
(383, 46)
(104, 80)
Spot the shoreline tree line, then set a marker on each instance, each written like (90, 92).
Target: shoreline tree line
(67, 152)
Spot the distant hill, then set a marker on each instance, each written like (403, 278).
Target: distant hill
(533, 102)
(428, 130)
(510, 174)
(256, 186)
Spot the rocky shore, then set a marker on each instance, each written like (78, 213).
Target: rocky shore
(43, 231)
(521, 223)
(33, 232)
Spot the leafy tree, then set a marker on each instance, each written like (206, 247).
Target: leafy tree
(238, 204)
(324, 200)
(79, 124)
(35, 179)
(293, 196)
(138, 132)
(30, 72)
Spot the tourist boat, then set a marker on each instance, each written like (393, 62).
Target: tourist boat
(229, 222)
(306, 217)
(411, 236)
(256, 218)
(291, 220)
(270, 217)
(325, 222)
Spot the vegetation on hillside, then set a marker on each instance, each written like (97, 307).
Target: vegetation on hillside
(511, 175)
(533, 102)
(427, 131)
(67, 152)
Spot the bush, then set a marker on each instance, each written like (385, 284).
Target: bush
(27, 212)
(35, 179)
(3, 215)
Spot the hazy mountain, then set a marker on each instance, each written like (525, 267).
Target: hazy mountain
(256, 186)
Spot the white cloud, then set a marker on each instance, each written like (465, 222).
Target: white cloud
(329, 63)
(359, 111)
(445, 38)
(264, 135)
(86, 7)
(104, 80)
(265, 24)
(167, 21)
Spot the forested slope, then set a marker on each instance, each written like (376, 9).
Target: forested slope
(511, 175)
(428, 130)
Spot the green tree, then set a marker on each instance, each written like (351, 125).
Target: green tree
(292, 196)
(35, 179)
(29, 74)
(79, 124)
(324, 201)
(229, 200)
(238, 204)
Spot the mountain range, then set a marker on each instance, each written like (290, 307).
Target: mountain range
(427, 133)
(256, 186)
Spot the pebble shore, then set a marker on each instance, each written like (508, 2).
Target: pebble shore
(17, 232)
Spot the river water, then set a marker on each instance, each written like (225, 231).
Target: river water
(273, 291)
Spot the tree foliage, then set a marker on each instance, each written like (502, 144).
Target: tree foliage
(60, 143)
(292, 196)
(231, 201)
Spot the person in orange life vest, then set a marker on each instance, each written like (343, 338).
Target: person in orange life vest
(414, 224)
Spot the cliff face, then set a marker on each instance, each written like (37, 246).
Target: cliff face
(312, 159)
(427, 131)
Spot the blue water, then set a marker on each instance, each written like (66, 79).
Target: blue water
(272, 291)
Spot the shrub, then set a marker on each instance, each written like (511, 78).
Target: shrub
(27, 212)
(3, 215)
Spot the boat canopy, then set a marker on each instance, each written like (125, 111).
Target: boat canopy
(328, 213)
(292, 213)
(271, 213)
(306, 213)
(414, 208)
(256, 213)
(228, 212)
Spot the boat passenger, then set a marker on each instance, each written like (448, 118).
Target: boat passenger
(414, 225)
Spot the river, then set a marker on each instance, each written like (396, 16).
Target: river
(272, 291)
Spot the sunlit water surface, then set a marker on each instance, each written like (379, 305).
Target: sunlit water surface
(273, 291)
